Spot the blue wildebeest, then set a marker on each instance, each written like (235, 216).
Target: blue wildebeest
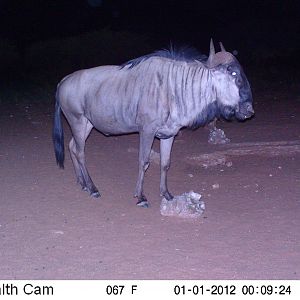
(155, 95)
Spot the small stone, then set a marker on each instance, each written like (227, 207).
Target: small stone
(215, 186)
(132, 150)
(217, 136)
(229, 164)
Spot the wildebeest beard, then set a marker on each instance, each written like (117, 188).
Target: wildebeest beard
(226, 111)
(206, 116)
(241, 112)
(212, 111)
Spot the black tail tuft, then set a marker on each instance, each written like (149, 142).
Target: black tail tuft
(58, 136)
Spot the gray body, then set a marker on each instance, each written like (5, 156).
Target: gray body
(156, 98)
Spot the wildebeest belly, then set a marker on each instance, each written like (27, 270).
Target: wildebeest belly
(112, 116)
(112, 124)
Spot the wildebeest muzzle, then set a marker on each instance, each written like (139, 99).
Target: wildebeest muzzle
(244, 111)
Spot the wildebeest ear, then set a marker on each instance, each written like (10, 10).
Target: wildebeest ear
(222, 47)
(212, 53)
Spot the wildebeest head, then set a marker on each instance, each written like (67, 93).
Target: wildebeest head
(234, 97)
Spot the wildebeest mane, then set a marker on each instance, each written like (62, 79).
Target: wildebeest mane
(184, 53)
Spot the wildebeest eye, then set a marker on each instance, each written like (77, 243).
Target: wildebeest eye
(233, 74)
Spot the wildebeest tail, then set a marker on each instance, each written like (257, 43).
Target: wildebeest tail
(58, 136)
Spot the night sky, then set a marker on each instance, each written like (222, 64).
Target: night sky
(247, 25)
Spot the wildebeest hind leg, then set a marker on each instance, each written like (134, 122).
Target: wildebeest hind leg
(165, 153)
(80, 130)
(146, 141)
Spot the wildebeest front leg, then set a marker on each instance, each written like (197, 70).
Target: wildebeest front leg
(165, 153)
(146, 141)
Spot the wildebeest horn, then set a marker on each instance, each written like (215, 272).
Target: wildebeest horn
(212, 53)
(222, 47)
(211, 48)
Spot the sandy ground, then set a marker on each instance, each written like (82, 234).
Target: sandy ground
(50, 229)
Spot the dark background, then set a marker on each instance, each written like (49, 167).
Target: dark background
(31, 20)
(39, 34)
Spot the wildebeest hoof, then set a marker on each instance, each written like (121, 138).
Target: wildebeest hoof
(143, 203)
(167, 196)
(95, 194)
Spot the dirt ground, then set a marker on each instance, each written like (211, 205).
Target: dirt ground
(50, 229)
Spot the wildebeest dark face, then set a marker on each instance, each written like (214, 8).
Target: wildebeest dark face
(245, 108)
(233, 92)
(239, 95)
